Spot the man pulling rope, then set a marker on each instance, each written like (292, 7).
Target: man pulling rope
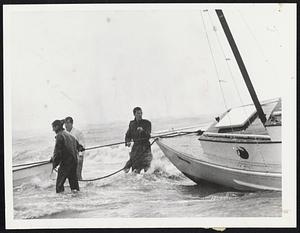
(139, 132)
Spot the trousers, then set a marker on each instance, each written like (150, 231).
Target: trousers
(79, 167)
(65, 172)
(140, 158)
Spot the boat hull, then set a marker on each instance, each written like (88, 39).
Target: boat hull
(201, 168)
(27, 174)
(255, 156)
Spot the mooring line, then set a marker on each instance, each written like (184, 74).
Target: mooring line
(173, 134)
(33, 163)
(103, 177)
(166, 135)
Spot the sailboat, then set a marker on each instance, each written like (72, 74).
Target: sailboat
(241, 149)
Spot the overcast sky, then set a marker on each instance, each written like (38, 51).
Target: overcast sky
(96, 63)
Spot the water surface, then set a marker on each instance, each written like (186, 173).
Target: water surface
(161, 192)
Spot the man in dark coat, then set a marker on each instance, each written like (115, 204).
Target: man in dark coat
(139, 131)
(65, 155)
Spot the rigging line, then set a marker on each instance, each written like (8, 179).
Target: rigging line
(266, 58)
(252, 34)
(228, 66)
(260, 48)
(235, 83)
(210, 48)
(232, 77)
(202, 125)
(227, 63)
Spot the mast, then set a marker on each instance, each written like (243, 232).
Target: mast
(241, 66)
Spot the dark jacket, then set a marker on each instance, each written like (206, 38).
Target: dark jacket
(141, 137)
(66, 149)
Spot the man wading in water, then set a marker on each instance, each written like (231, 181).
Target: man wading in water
(65, 155)
(139, 131)
(79, 137)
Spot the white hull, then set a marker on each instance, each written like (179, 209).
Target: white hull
(27, 174)
(259, 156)
(228, 169)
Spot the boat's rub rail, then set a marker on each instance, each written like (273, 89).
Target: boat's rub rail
(237, 136)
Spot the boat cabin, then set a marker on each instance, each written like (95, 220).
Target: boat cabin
(245, 120)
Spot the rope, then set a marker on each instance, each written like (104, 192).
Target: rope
(232, 76)
(227, 63)
(103, 177)
(106, 145)
(266, 58)
(33, 163)
(173, 134)
(229, 69)
(141, 139)
(36, 165)
(214, 61)
(155, 139)
(198, 132)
